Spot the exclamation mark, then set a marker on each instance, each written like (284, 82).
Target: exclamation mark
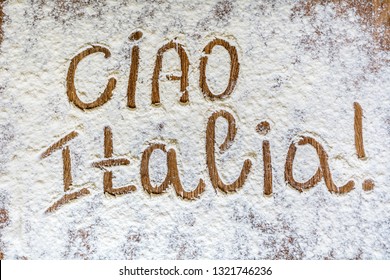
(359, 131)
(368, 184)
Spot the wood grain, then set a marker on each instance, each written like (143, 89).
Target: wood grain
(4, 217)
(368, 185)
(59, 144)
(67, 198)
(267, 168)
(67, 168)
(263, 128)
(108, 145)
(1, 21)
(374, 14)
(111, 162)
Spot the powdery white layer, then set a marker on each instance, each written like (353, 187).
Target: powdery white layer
(301, 81)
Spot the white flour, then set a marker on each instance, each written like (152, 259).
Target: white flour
(303, 82)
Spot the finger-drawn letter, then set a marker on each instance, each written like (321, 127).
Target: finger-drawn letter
(133, 76)
(172, 176)
(71, 89)
(322, 172)
(234, 69)
(210, 153)
(184, 64)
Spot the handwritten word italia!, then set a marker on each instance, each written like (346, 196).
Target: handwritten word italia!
(172, 177)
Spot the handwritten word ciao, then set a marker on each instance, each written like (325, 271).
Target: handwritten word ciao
(172, 178)
(132, 82)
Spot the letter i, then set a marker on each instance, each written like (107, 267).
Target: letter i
(263, 128)
(133, 76)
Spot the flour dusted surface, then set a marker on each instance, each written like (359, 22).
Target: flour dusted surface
(300, 73)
